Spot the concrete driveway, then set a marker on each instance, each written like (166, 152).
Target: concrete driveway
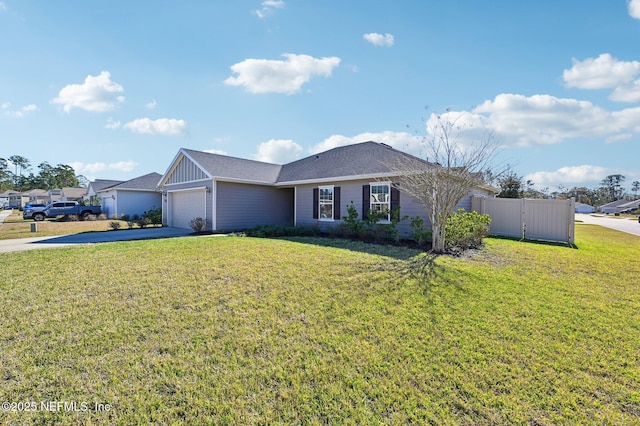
(23, 244)
(629, 226)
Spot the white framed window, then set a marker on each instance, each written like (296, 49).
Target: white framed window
(380, 199)
(325, 203)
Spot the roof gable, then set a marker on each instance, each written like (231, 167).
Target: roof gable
(190, 165)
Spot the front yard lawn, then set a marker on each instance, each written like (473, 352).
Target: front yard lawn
(226, 330)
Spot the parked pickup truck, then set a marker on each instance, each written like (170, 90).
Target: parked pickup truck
(65, 208)
(30, 209)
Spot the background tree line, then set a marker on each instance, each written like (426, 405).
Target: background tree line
(16, 174)
(611, 189)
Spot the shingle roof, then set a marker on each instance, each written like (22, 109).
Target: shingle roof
(366, 158)
(148, 182)
(222, 166)
(100, 184)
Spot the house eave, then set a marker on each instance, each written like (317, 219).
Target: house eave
(244, 181)
(335, 179)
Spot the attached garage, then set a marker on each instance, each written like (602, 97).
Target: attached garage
(185, 205)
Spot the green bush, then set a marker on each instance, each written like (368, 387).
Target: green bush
(115, 225)
(419, 232)
(154, 214)
(465, 230)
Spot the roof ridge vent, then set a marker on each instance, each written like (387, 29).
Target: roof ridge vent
(385, 145)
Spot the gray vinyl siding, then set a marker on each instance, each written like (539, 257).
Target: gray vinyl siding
(352, 191)
(137, 202)
(186, 186)
(242, 206)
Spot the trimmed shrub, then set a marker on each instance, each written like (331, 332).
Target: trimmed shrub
(115, 225)
(154, 214)
(419, 231)
(466, 230)
(198, 224)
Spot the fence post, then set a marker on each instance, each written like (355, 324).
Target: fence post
(572, 221)
(523, 217)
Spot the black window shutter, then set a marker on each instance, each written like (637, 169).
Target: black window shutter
(336, 203)
(366, 194)
(395, 198)
(316, 200)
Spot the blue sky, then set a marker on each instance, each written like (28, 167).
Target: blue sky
(114, 89)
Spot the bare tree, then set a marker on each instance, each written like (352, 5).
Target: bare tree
(452, 170)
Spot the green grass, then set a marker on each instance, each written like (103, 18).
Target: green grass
(247, 331)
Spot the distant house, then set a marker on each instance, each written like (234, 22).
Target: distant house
(5, 197)
(36, 196)
(132, 197)
(234, 193)
(73, 194)
(584, 208)
(613, 207)
(629, 206)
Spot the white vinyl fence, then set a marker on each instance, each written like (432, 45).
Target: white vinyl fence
(548, 220)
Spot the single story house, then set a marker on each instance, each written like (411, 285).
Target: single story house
(629, 206)
(132, 197)
(234, 193)
(613, 207)
(584, 208)
(6, 196)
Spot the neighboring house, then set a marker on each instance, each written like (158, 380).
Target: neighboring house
(613, 207)
(629, 206)
(36, 196)
(584, 208)
(18, 199)
(100, 184)
(6, 196)
(73, 194)
(132, 197)
(234, 193)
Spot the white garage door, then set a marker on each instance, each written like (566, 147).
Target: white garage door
(186, 205)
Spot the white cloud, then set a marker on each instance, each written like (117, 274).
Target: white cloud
(545, 119)
(403, 141)
(606, 72)
(627, 93)
(273, 76)
(3, 6)
(634, 8)
(112, 124)
(151, 105)
(379, 39)
(20, 112)
(570, 176)
(268, 6)
(278, 151)
(97, 93)
(121, 166)
(603, 72)
(161, 126)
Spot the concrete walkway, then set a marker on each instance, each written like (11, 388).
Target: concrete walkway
(630, 226)
(23, 244)
(4, 214)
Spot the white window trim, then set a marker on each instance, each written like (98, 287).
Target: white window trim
(388, 184)
(320, 203)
